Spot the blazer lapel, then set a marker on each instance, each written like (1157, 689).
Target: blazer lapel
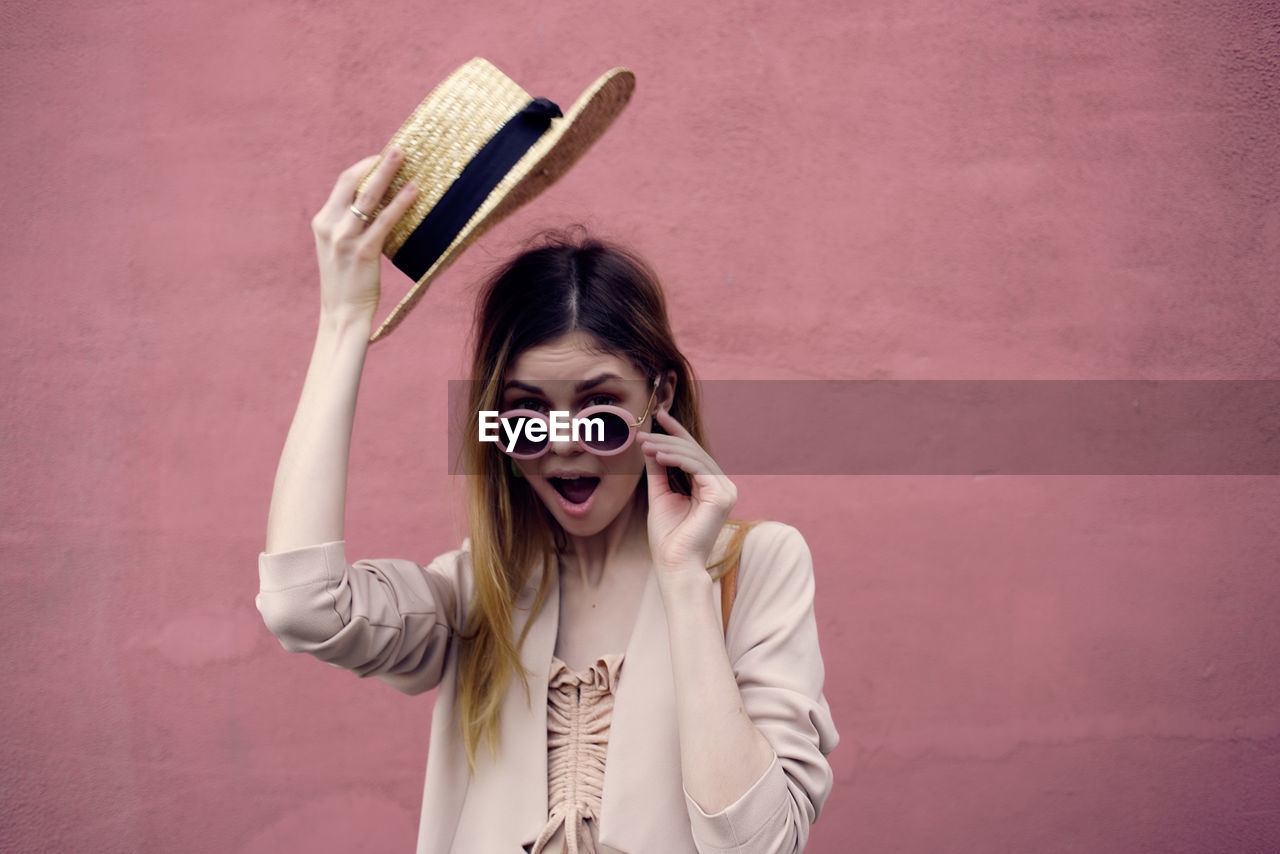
(643, 806)
(506, 806)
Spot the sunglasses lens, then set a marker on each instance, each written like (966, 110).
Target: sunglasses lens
(605, 431)
(524, 445)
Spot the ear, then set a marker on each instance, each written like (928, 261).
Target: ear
(667, 394)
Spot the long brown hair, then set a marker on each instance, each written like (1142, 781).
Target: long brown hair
(566, 282)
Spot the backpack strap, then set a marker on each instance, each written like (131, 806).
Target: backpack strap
(729, 581)
(728, 589)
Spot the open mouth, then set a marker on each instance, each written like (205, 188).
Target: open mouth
(575, 490)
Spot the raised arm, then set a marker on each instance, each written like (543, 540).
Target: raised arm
(384, 618)
(309, 498)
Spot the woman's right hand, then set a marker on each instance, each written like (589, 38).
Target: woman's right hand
(308, 504)
(350, 250)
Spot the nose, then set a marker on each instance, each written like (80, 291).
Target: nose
(561, 441)
(569, 448)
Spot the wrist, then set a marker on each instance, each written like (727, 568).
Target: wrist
(684, 582)
(347, 320)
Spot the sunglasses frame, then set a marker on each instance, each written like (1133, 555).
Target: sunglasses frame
(584, 413)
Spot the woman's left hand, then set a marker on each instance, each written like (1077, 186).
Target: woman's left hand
(683, 528)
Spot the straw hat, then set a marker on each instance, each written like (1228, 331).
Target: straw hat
(479, 147)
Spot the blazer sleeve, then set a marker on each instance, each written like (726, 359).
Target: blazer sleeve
(772, 640)
(383, 618)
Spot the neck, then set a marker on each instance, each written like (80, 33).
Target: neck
(623, 541)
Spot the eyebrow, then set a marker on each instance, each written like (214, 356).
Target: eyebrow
(581, 387)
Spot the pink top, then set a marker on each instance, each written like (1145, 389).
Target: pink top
(579, 711)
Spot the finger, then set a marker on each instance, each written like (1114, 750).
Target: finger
(345, 188)
(700, 467)
(656, 438)
(653, 447)
(684, 462)
(391, 214)
(371, 196)
(671, 425)
(665, 440)
(674, 444)
(707, 488)
(656, 473)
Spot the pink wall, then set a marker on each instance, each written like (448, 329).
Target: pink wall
(887, 189)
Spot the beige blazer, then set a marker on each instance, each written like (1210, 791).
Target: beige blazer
(386, 618)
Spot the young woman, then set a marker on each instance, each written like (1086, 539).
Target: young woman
(591, 698)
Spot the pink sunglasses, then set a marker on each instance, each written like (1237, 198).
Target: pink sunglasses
(604, 430)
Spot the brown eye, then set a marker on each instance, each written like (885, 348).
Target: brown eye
(600, 400)
(529, 403)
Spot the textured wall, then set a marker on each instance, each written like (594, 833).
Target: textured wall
(889, 189)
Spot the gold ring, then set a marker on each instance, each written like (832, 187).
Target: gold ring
(361, 214)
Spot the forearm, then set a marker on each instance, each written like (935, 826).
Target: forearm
(722, 752)
(308, 502)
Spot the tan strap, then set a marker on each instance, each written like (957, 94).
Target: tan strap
(729, 581)
(728, 589)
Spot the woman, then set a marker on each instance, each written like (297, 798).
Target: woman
(592, 570)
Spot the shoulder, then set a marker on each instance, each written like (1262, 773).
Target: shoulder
(763, 536)
(776, 570)
(773, 550)
(768, 537)
(454, 559)
(456, 565)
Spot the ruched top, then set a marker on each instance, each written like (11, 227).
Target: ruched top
(579, 712)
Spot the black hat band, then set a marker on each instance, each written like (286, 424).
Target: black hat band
(445, 221)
